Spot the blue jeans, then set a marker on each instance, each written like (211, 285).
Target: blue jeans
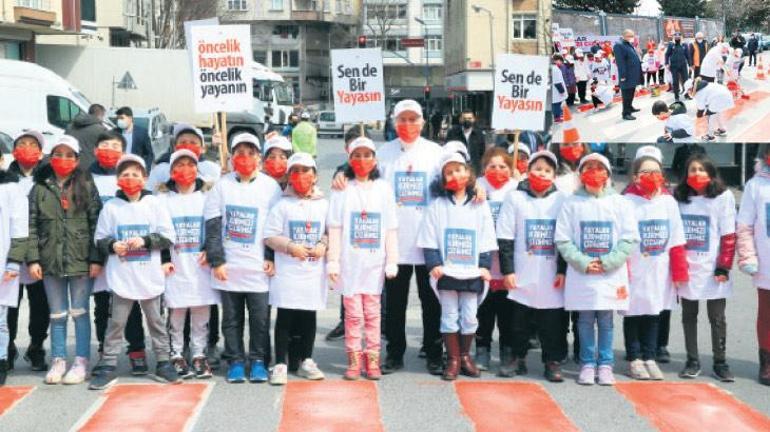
(69, 296)
(586, 320)
(5, 336)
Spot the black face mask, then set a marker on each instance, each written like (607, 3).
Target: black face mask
(467, 124)
(724, 58)
(510, 138)
(677, 41)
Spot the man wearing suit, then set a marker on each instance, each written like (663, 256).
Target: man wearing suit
(472, 137)
(629, 72)
(137, 137)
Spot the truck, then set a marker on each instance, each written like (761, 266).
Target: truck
(159, 78)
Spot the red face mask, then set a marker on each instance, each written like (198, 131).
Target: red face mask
(539, 184)
(196, 149)
(27, 156)
(107, 158)
(244, 165)
(456, 184)
(698, 182)
(302, 182)
(594, 178)
(63, 167)
(130, 186)
(362, 167)
(497, 177)
(572, 154)
(408, 132)
(651, 182)
(184, 175)
(521, 166)
(275, 168)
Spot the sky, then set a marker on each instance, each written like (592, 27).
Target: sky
(648, 7)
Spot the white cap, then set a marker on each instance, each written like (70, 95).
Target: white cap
(182, 153)
(459, 147)
(450, 157)
(278, 141)
(569, 59)
(361, 142)
(522, 147)
(188, 128)
(649, 151)
(599, 54)
(543, 153)
(407, 105)
(65, 140)
(595, 157)
(31, 133)
(305, 115)
(578, 52)
(246, 137)
(301, 159)
(128, 157)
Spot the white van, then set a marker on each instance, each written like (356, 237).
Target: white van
(33, 97)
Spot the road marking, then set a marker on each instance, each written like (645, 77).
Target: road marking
(741, 106)
(156, 407)
(331, 406)
(496, 406)
(10, 396)
(691, 407)
(757, 132)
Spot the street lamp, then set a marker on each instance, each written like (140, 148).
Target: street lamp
(427, 67)
(479, 9)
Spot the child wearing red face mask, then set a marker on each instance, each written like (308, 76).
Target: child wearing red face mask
(277, 153)
(596, 231)
(188, 276)
(525, 235)
(185, 137)
(296, 231)
(569, 155)
(658, 265)
(457, 237)
(363, 251)
(708, 215)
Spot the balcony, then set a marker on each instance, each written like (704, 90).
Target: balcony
(34, 12)
(306, 10)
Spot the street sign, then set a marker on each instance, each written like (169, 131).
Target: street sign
(412, 42)
(127, 82)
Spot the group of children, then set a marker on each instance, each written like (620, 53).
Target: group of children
(537, 242)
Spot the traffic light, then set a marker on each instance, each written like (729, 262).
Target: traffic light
(427, 92)
(362, 41)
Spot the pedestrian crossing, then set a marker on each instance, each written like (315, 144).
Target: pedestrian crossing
(342, 406)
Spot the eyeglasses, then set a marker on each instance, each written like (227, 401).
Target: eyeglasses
(650, 172)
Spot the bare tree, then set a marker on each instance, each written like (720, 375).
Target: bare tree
(170, 16)
(381, 15)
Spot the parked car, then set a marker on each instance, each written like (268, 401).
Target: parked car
(6, 148)
(765, 42)
(327, 125)
(157, 126)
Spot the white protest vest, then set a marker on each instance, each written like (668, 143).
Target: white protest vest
(365, 214)
(660, 229)
(137, 275)
(531, 223)
(595, 226)
(190, 284)
(298, 284)
(107, 186)
(243, 208)
(755, 211)
(705, 221)
(14, 223)
(495, 198)
(409, 174)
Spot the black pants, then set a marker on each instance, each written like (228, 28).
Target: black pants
(651, 77)
(570, 99)
(641, 336)
(134, 332)
(664, 328)
(213, 326)
(234, 307)
(396, 300)
(551, 329)
(678, 76)
(752, 58)
(707, 79)
(294, 323)
(495, 307)
(662, 75)
(573, 323)
(628, 100)
(38, 316)
(716, 314)
(581, 85)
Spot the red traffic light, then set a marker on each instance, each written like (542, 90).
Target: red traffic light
(362, 41)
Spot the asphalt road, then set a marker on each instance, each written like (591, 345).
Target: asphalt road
(408, 401)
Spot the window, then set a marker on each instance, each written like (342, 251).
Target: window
(260, 56)
(61, 111)
(327, 6)
(524, 27)
(434, 43)
(338, 8)
(432, 12)
(276, 5)
(88, 10)
(326, 116)
(285, 58)
(286, 31)
(236, 5)
(386, 11)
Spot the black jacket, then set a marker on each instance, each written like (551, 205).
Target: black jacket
(753, 45)
(140, 145)
(86, 128)
(677, 55)
(629, 65)
(476, 143)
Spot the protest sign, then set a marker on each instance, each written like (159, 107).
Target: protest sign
(358, 85)
(585, 42)
(521, 86)
(221, 58)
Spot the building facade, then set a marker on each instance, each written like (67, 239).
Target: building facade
(22, 22)
(293, 37)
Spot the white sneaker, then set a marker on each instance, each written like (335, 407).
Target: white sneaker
(637, 371)
(308, 369)
(655, 372)
(279, 374)
(56, 372)
(77, 373)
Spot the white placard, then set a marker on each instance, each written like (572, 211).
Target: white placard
(221, 58)
(358, 85)
(521, 87)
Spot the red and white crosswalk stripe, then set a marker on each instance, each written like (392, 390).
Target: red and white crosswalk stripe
(331, 406)
(10, 396)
